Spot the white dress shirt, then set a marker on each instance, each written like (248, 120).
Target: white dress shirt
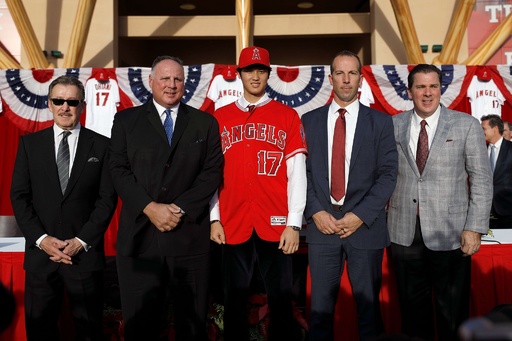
(350, 124)
(431, 128)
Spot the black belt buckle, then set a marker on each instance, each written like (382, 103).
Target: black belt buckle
(337, 207)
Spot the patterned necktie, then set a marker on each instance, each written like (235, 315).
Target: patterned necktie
(422, 149)
(168, 125)
(251, 108)
(493, 158)
(338, 157)
(63, 161)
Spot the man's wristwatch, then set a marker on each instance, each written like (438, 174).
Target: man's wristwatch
(296, 228)
(214, 221)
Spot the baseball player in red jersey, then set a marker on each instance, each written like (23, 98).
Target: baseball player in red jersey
(257, 214)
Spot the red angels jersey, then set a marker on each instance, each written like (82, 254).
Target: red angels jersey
(253, 194)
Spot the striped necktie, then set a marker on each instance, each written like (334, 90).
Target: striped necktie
(63, 161)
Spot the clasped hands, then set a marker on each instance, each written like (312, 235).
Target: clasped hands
(343, 227)
(165, 217)
(61, 251)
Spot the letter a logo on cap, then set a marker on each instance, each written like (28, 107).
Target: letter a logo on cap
(256, 54)
(253, 55)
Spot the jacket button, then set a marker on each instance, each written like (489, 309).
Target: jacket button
(414, 200)
(164, 189)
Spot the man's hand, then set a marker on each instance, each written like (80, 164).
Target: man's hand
(289, 241)
(74, 246)
(217, 233)
(53, 246)
(165, 217)
(470, 242)
(348, 224)
(326, 223)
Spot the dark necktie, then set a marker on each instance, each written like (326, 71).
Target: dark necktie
(168, 125)
(422, 149)
(338, 157)
(493, 158)
(251, 108)
(63, 161)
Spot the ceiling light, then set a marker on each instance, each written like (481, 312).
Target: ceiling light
(188, 7)
(305, 5)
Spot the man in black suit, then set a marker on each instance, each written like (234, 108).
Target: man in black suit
(501, 164)
(166, 164)
(63, 205)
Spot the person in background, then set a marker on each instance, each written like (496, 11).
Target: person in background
(257, 214)
(63, 200)
(500, 157)
(351, 171)
(439, 209)
(166, 164)
(507, 135)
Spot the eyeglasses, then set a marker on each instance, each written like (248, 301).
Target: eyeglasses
(70, 102)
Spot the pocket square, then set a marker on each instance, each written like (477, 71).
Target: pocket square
(93, 159)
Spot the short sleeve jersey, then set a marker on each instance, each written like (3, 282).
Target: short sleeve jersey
(485, 98)
(102, 99)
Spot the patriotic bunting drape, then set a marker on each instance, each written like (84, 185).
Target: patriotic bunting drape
(24, 92)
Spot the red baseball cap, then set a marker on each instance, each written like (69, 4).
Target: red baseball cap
(483, 74)
(253, 55)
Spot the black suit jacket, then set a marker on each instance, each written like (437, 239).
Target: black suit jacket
(85, 209)
(145, 168)
(502, 181)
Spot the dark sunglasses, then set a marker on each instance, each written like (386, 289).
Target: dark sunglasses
(70, 102)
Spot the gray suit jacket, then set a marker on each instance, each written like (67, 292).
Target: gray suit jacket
(455, 191)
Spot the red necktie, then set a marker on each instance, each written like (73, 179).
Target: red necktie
(338, 158)
(422, 150)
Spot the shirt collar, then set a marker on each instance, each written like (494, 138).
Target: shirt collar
(160, 109)
(431, 120)
(244, 103)
(58, 130)
(352, 109)
(498, 143)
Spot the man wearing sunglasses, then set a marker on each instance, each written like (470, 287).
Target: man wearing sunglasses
(63, 199)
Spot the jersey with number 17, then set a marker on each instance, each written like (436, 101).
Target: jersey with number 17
(256, 146)
(102, 98)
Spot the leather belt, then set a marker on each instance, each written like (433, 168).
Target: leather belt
(337, 207)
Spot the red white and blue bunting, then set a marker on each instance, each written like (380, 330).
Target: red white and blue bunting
(24, 92)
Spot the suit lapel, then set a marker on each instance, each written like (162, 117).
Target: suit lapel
(156, 122)
(181, 124)
(404, 137)
(359, 134)
(48, 154)
(319, 134)
(85, 143)
(502, 156)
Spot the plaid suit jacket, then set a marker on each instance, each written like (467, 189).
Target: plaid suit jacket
(453, 194)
